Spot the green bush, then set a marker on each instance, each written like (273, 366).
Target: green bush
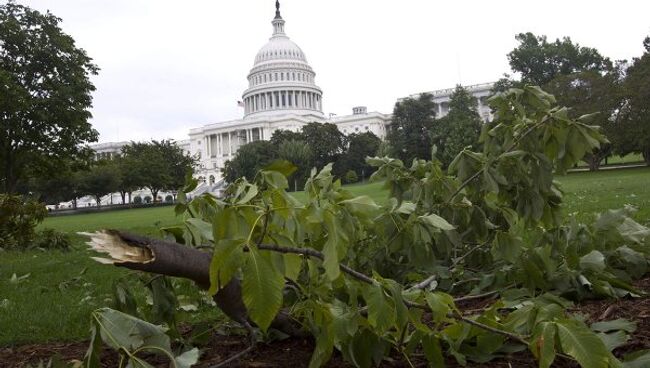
(147, 199)
(18, 219)
(169, 199)
(350, 177)
(52, 239)
(137, 200)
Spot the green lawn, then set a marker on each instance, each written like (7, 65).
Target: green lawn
(54, 302)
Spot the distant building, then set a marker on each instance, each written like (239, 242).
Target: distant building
(282, 95)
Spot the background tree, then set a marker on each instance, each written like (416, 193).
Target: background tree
(180, 164)
(45, 94)
(282, 135)
(409, 131)
(298, 153)
(61, 185)
(155, 165)
(580, 78)
(459, 129)
(102, 179)
(360, 146)
(632, 134)
(590, 92)
(326, 141)
(250, 158)
(539, 61)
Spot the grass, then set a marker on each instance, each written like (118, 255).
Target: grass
(54, 302)
(632, 158)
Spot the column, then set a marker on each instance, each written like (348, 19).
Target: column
(229, 144)
(440, 109)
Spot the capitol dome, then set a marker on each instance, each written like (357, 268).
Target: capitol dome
(281, 81)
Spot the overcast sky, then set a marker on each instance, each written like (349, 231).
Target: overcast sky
(168, 66)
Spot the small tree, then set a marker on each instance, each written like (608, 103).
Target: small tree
(100, 180)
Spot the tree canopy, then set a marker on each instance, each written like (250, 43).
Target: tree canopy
(45, 94)
(155, 165)
(409, 134)
(539, 61)
(632, 133)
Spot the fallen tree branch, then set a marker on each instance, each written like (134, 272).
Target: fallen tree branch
(173, 259)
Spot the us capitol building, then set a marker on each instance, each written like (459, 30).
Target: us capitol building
(282, 94)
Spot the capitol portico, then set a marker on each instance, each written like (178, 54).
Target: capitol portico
(282, 95)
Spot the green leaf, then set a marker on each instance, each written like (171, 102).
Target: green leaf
(331, 248)
(261, 289)
(121, 331)
(227, 258)
(187, 359)
(593, 261)
(542, 343)
(614, 325)
(380, 314)
(433, 351)
(582, 344)
(284, 167)
(437, 222)
(441, 304)
(638, 359)
(362, 205)
(292, 266)
(614, 339)
(200, 230)
(250, 194)
(506, 246)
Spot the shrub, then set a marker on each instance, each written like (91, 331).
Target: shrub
(137, 200)
(147, 199)
(52, 239)
(169, 199)
(351, 177)
(18, 219)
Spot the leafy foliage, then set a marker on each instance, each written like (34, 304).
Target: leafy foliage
(371, 280)
(540, 61)
(409, 134)
(155, 165)
(131, 336)
(45, 95)
(18, 220)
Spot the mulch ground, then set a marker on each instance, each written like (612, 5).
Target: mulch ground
(295, 353)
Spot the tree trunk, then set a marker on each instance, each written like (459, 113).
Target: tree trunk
(98, 199)
(646, 156)
(123, 195)
(171, 259)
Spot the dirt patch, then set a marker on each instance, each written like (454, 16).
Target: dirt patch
(295, 353)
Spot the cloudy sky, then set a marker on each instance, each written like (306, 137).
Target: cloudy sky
(168, 66)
